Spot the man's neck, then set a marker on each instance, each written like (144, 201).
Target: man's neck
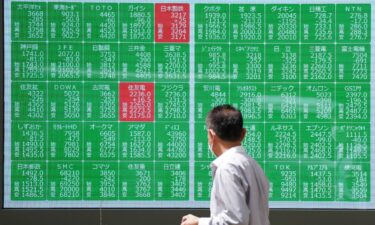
(225, 146)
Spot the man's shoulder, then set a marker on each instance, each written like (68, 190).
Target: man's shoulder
(237, 160)
(240, 157)
(241, 161)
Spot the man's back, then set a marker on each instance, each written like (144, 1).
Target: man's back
(239, 194)
(240, 189)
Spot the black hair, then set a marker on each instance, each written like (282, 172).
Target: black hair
(226, 121)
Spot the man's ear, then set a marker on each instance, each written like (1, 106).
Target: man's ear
(211, 133)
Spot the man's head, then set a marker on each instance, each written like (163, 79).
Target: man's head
(225, 126)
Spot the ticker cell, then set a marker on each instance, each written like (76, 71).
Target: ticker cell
(318, 102)
(137, 62)
(282, 63)
(136, 181)
(172, 102)
(101, 62)
(136, 141)
(249, 98)
(211, 62)
(65, 140)
(247, 62)
(136, 101)
(353, 102)
(65, 180)
(65, 101)
(353, 182)
(172, 22)
(202, 151)
(101, 141)
(283, 23)
(318, 23)
(172, 181)
(29, 180)
(353, 142)
(353, 62)
(29, 101)
(100, 22)
(202, 181)
(254, 140)
(211, 22)
(283, 180)
(317, 182)
(100, 181)
(247, 23)
(353, 23)
(208, 96)
(29, 61)
(172, 141)
(282, 102)
(317, 142)
(29, 140)
(136, 22)
(29, 21)
(101, 101)
(65, 61)
(318, 63)
(65, 21)
(172, 62)
(282, 143)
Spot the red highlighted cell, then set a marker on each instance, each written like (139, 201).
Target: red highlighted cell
(172, 22)
(136, 101)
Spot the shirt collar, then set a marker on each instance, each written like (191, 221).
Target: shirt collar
(223, 157)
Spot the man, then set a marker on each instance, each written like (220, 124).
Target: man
(239, 193)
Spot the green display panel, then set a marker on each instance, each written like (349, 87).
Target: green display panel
(137, 181)
(65, 181)
(105, 102)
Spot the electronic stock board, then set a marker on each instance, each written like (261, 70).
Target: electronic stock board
(105, 102)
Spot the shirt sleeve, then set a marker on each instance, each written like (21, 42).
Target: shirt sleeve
(231, 194)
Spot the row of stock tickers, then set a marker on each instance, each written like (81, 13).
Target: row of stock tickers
(108, 100)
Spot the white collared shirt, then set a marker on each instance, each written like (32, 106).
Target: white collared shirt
(239, 193)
